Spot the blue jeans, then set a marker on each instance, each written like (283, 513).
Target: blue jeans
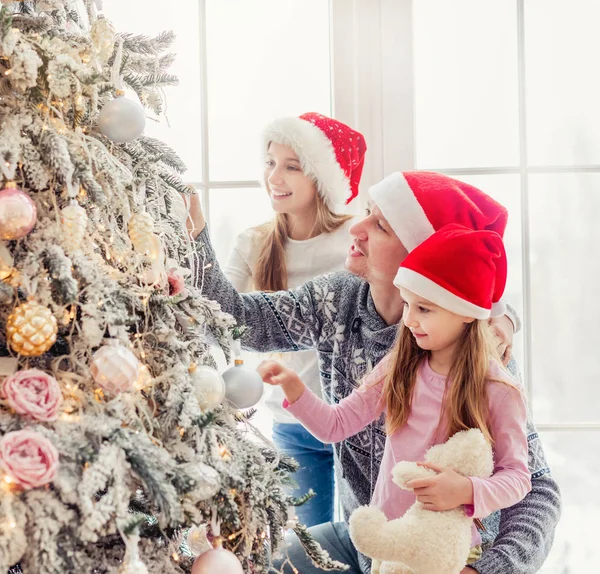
(333, 537)
(316, 471)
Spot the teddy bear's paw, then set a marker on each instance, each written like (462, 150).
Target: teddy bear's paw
(363, 523)
(405, 471)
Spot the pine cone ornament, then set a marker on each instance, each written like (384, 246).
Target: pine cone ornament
(31, 329)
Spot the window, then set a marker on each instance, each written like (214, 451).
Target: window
(240, 64)
(504, 99)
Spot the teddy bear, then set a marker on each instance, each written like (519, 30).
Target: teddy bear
(424, 541)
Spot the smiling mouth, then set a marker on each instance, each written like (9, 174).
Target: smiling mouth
(279, 194)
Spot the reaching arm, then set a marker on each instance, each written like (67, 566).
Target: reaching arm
(329, 423)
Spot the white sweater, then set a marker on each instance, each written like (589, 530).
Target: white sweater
(305, 260)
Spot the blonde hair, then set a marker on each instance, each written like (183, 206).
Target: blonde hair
(465, 403)
(270, 273)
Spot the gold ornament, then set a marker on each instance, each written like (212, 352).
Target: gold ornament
(141, 233)
(31, 329)
(73, 219)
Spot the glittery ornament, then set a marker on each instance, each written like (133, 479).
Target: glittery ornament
(31, 329)
(74, 221)
(115, 368)
(102, 35)
(122, 120)
(217, 561)
(209, 386)
(18, 213)
(243, 386)
(141, 233)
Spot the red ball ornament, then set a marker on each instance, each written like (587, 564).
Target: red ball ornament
(18, 213)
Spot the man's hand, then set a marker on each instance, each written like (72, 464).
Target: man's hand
(445, 491)
(194, 221)
(503, 329)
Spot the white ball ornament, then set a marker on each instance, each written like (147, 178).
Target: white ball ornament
(115, 369)
(209, 386)
(243, 386)
(122, 120)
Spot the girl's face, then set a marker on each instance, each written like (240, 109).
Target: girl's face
(290, 190)
(434, 328)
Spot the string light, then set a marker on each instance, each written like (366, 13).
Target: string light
(175, 557)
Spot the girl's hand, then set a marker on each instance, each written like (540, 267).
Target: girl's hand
(503, 330)
(274, 373)
(194, 221)
(445, 491)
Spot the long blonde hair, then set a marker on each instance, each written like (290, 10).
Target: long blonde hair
(465, 403)
(270, 273)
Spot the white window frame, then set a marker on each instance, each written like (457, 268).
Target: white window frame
(373, 46)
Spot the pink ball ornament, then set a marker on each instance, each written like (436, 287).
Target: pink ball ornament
(217, 561)
(18, 213)
(115, 369)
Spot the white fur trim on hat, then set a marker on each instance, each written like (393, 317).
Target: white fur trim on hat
(403, 212)
(428, 289)
(316, 155)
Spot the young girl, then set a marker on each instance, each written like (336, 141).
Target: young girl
(312, 167)
(441, 377)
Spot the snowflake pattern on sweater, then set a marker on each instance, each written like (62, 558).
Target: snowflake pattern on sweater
(335, 315)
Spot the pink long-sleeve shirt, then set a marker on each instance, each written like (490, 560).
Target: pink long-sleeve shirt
(511, 480)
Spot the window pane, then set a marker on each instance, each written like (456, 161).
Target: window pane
(266, 58)
(506, 190)
(232, 211)
(466, 98)
(565, 274)
(181, 128)
(563, 89)
(576, 547)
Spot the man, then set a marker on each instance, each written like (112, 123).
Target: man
(351, 320)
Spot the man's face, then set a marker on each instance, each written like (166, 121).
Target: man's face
(376, 251)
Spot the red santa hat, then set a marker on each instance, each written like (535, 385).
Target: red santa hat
(418, 203)
(461, 270)
(330, 152)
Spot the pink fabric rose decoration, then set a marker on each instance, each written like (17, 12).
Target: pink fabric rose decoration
(176, 283)
(29, 458)
(33, 393)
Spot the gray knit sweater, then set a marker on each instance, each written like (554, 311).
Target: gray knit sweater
(335, 315)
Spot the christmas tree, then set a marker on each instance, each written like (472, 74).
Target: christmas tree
(115, 439)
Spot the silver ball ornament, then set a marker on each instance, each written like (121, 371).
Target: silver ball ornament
(243, 387)
(122, 120)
